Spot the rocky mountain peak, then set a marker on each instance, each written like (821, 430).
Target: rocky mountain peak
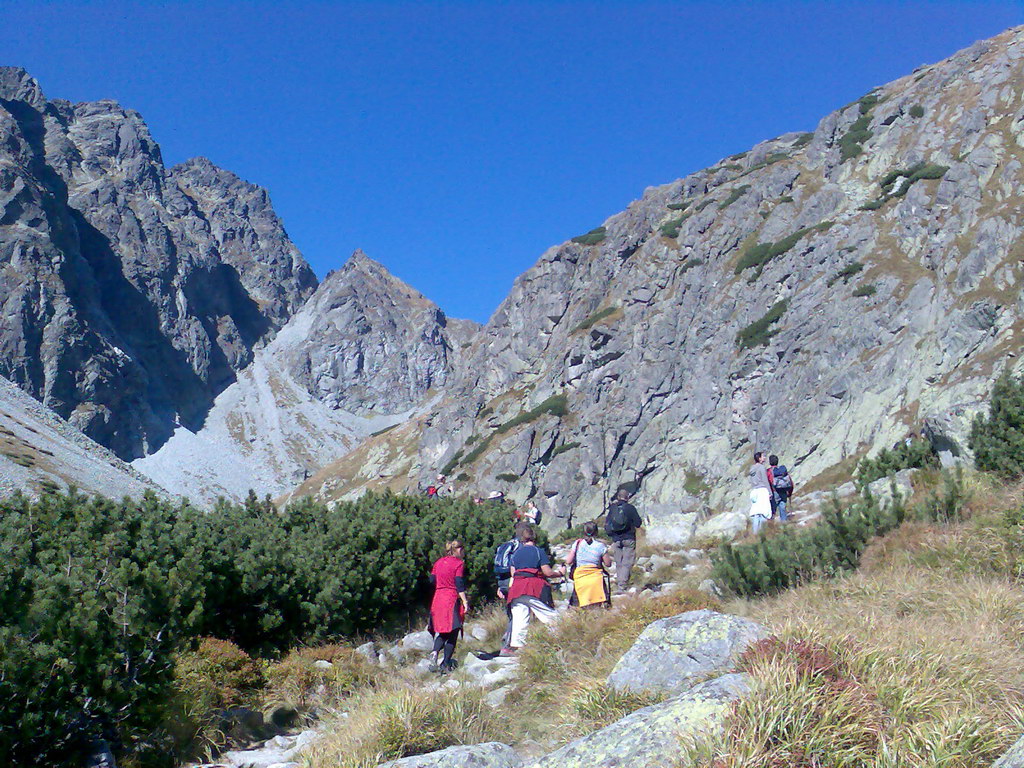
(160, 284)
(18, 85)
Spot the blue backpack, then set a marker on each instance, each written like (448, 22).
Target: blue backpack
(503, 558)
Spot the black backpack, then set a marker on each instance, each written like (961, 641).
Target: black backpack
(617, 520)
(503, 558)
(782, 481)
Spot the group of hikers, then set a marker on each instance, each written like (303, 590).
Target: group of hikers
(523, 574)
(771, 488)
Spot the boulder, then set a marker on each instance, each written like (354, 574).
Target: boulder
(479, 632)
(882, 488)
(727, 525)
(279, 751)
(650, 736)
(486, 673)
(369, 652)
(657, 561)
(674, 529)
(1014, 758)
(418, 641)
(674, 654)
(493, 754)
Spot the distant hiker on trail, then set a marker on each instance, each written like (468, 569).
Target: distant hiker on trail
(621, 523)
(530, 514)
(529, 593)
(450, 604)
(782, 485)
(760, 493)
(587, 563)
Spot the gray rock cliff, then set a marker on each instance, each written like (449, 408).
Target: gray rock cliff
(820, 295)
(130, 294)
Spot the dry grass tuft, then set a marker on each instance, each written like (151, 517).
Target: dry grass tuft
(297, 681)
(401, 720)
(915, 660)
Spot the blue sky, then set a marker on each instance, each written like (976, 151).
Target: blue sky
(455, 141)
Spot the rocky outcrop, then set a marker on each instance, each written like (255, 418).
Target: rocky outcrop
(651, 735)
(40, 452)
(490, 755)
(1014, 757)
(821, 295)
(130, 294)
(672, 655)
(358, 358)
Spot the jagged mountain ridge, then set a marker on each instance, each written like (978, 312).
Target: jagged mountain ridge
(360, 356)
(131, 293)
(886, 242)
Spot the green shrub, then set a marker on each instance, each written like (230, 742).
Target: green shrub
(845, 273)
(671, 227)
(919, 454)
(803, 141)
(910, 175)
(469, 441)
(563, 448)
(865, 290)
(786, 199)
(678, 206)
(97, 597)
(997, 439)
(917, 111)
(556, 405)
(594, 318)
(593, 237)
(775, 563)
(462, 477)
(453, 462)
(760, 254)
(217, 675)
(759, 332)
(485, 412)
(507, 477)
(851, 143)
(702, 205)
(735, 195)
(732, 167)
(690, 264)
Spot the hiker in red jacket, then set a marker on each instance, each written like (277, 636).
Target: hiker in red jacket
(450, 604)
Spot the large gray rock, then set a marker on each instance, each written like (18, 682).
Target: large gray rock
(1014, 757)
(675, 529)
(651, 736)
(673, 654)
(493, 754)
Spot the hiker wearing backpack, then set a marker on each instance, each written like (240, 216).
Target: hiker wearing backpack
(782, 485)
(503, 574)
(620, 524)
(529, 594)
(760, 493)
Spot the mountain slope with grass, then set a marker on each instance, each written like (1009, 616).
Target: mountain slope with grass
(40, 453)
(823, 295)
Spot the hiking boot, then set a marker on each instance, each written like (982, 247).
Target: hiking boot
(508, 652)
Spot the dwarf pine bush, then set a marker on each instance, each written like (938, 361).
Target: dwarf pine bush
(998, 439)
(97, 597)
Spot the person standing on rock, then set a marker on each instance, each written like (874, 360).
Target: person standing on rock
(450, 604)
(621, 524)
(760, 493)
(529, 593)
